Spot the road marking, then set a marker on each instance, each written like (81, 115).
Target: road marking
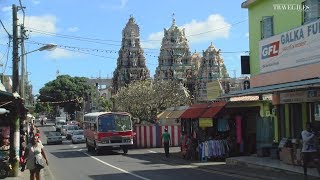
(50, 173)
(152, 151)
(110, 165)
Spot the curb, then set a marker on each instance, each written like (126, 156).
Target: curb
(234, 162)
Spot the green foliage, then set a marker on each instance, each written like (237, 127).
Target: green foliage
(65, 88)
(145, 99)
(104, 104)
(43, 108)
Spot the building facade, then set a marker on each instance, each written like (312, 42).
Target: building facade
(211, 69)
(174, 61)
(131, 63)
(285, 61)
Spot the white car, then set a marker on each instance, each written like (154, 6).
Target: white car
(77, 137)
(70, 129)
(54, 138)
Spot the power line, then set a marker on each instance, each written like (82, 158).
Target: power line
(5, 29)
(101, 41)
(24, 14)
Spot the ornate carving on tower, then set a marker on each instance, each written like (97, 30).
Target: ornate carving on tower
(131, 65)
(211, 68)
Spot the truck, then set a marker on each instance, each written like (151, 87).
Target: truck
(59, 122)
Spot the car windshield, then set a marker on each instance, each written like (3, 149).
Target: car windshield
(114, 122)
(54, 134)
(73, 128)
(78, 133)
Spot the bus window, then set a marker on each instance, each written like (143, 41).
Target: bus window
(114, 123)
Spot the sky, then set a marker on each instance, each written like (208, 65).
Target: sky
(89, 33)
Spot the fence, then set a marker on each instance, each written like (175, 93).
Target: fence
(149, 136)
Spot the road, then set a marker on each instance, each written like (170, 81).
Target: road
(72, 161)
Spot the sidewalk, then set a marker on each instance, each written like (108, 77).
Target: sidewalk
(269, 164)
(44, 173)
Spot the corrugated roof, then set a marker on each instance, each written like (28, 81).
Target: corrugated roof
(214, 109)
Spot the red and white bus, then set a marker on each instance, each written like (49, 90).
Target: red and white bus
(108, 130)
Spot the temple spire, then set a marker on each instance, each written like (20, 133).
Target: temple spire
(173, 20)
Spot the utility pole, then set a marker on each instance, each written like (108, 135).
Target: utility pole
(15, 124)
(22, 85)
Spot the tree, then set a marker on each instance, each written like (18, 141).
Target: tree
(67, 90)
(104, 104)
(145, 99)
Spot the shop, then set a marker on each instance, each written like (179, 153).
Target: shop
(295, 109)
(10, 108)
(223, 129)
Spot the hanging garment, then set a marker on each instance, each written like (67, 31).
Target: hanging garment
(238, 129)
(223, 125)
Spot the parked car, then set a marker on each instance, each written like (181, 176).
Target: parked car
(77, 137)
(64, 130)
(54, 138)
(70, 129)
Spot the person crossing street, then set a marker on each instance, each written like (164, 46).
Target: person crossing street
(166, 141)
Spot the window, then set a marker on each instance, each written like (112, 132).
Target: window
(311, 10)
(317, 111)
(266, 27)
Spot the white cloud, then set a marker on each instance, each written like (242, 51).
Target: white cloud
(73, 29)
(35, 2)
(6, 8)
(213, 27)
(46, 23)
(60, 53)
(247, 34)
(122, 5)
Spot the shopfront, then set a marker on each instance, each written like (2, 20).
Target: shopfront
(235, 128)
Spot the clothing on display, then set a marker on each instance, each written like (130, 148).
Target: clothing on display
(223, 125)
(214, 149)
(238, 129)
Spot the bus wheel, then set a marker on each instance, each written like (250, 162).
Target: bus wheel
(88, 146)
(96, 149)
(125, 149)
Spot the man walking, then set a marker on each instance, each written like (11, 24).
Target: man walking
(308, 146)
(166, 141)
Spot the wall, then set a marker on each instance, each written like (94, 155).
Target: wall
(283, 20)
(150, 136)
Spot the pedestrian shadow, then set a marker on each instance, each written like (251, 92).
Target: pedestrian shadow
(69, 154)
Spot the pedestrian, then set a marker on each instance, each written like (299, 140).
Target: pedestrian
(308, 146)
(166, 141)
(35, 158)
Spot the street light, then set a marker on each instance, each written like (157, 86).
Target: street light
(47, 47)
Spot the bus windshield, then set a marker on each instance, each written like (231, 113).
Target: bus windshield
(114, 122)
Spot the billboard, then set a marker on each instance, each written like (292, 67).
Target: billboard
(297, 47)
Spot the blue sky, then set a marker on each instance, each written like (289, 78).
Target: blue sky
(88, 33)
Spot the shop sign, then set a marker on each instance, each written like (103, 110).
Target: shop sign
(293, 48)
(205, 122)
(214, 90)
(300, 96)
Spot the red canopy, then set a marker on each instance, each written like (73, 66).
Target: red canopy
(213, 110)
(195, 111)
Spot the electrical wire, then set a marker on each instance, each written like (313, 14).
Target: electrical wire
(5, 66)
(101, 41)
(5, 29)
(24, 14)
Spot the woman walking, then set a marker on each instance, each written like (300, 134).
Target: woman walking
(36, 158)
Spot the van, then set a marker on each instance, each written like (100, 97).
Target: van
(59, 122)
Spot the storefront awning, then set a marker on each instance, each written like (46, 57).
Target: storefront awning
(195, 111)
(214, 109)
(274, 88)
(175, 114)
(163, 115)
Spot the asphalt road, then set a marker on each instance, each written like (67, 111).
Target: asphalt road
(72, 161)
